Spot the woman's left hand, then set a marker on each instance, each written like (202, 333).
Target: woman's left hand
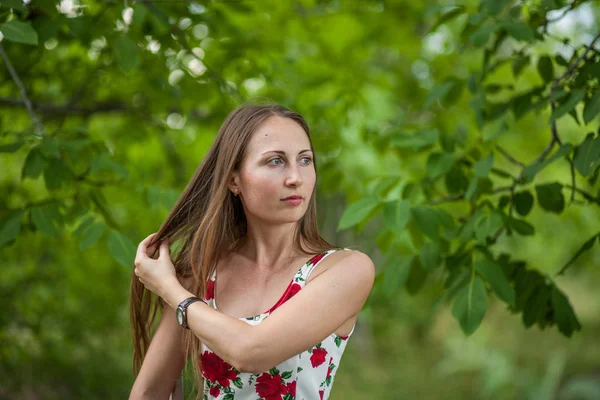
(156, 275)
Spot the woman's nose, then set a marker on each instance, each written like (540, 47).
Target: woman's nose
(294, 177)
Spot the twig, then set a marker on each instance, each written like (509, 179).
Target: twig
(509, 157)
(181, 39)
(26, 100)
(573, 65)
(54, 110)
(448, 199)
(574, 188)
(502, 189)
(570, 8)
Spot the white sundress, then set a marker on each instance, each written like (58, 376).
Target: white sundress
(305, 376)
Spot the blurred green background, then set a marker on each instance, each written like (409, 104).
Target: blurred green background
(447, 134)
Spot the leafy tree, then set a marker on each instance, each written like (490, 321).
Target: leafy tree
(107, 107)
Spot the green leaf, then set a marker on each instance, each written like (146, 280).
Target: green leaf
(286, 375)
(518, 30)
(536, 307)
(564, 316)
(338, 341)
(46, 218)
(274, 371)
(456, 181)
(587, 155)
(575, 97)
(57, 174)
(545, 68)
(487, 226)
(11, 227)
(416, 276)
(161, 197)
(139, 14)
(523, 202)
(91, 235)
(16, 4)
(439, 164)
(483, 167)
(126, 52)
(531, 170)
(470, 306)
(448, 16)
(482, 35)
(426, 219)
(229, 396)
(19, 32)
(396, 215)
(121, 248)
(238, 382)
(519, 63)
(102, 162)
(34, 164)
(520, 226)
(417, 141)
(585, 247)
(592, 108)
(550, 197)
(560, 60)
(357, 212)
(493, 274)
(472, 189)
(11, 147)
(83, 225)
(395, 271)
(430, 256)
(438, 93)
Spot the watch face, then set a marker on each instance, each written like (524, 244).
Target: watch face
(179, 316)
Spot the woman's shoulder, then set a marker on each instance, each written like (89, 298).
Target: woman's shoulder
(344, 259)
(349, 254)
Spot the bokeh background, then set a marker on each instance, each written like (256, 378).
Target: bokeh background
(447, 133)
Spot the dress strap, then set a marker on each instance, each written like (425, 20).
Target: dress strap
(313, 262)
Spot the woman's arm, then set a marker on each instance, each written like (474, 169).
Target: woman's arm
(163, 362)
(331, 298)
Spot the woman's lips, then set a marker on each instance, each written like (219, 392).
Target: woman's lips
(293, 200)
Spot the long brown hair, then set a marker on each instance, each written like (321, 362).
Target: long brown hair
(209, 221)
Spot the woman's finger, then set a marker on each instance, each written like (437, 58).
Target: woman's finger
(164, 249)
(142, 247)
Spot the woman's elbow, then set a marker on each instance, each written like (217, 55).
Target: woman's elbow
(249, 357)
(139, 393)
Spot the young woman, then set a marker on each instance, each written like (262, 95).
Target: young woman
(246, 226)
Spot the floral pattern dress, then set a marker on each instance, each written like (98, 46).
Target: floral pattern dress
(305, 376)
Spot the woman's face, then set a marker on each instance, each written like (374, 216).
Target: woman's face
(278, 163)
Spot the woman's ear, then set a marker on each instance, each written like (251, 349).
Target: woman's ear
(234, 184)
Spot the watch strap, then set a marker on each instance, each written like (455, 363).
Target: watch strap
(183, 307)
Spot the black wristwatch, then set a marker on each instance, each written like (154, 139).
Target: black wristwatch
(181, 311)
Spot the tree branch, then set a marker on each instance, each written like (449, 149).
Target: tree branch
(26, 101)
(509, 157)
(55, 110)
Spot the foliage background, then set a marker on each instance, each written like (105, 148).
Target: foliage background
(410, 103)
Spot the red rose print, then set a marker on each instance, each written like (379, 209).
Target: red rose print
(321, 394)
(329, 369)
(344, 337)
(210, 290)
(270, 387)
(216, 370)
(290, 292)
(316, 258)
(318, 356)
(291, 388)
(215, 391)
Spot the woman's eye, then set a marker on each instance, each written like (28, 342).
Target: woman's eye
(274, 159)
(308, 160)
